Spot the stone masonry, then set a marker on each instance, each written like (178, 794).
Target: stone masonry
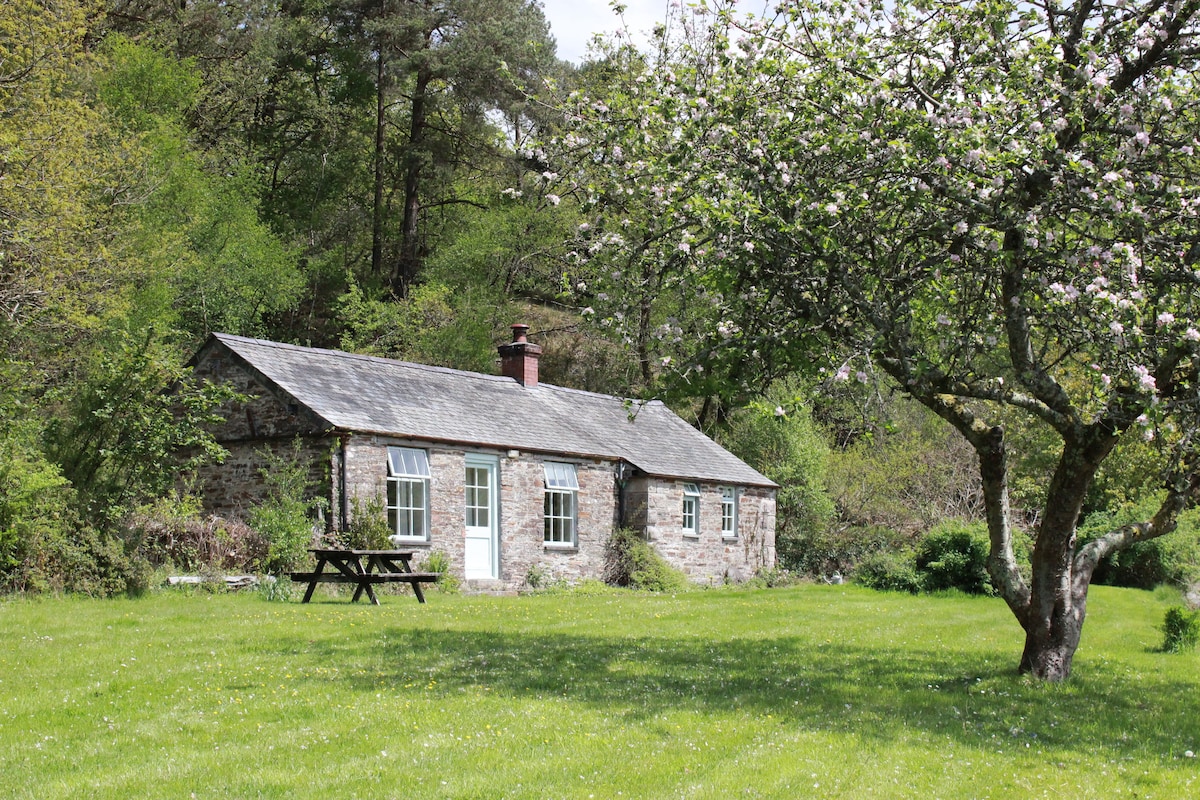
(655, 507)
(343, 465)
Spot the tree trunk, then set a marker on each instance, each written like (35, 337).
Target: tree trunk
(1050, 649)
(380, 142)
(1054, 616)
(408, 265)
(1051, 606)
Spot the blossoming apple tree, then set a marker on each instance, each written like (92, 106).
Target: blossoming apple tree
(995, 203)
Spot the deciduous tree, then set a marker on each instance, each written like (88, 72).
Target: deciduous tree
(995, 203)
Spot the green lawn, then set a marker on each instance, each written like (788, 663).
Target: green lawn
(814, 691)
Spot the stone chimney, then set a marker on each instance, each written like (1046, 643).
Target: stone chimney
(519, 360)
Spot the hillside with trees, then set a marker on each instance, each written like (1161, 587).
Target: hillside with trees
(931, 267)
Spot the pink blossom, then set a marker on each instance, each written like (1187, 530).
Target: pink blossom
(1165, 318)
(1145, 380)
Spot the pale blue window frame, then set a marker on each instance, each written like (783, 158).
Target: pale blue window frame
(691, 509)
(560, 504)
(408, 493)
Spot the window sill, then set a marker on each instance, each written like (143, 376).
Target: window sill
(694, 537)
(554, 547)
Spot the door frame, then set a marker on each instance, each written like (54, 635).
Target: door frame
(492, 465)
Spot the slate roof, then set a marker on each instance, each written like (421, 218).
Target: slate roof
(381, 396)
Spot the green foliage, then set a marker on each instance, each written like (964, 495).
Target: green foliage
(368, 528)
(889, 570)
(535, 576)
(513, 248)
(773, 578)
(1181, 630)
(433, 325)
(275, 589)
(631, 561)
(437, 561)
(172, 532)
(824, 551)
(902, 468)
(284, 518)
(652, 573)
(34, 502)
(210, 263)
(143, 85)
(954, 556)
(45, 543)
(120, 440)
(778, 438)
(1173, 559)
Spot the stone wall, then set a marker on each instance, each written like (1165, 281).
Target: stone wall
(264, 415)
(231, 488)
(654, 507)
(255, 431)
(522, 486)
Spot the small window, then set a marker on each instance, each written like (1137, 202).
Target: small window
(408, 493)
(562, 486)
(728, 512)
(691, 510)
(478, 487)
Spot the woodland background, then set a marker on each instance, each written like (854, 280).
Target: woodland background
(340, 173)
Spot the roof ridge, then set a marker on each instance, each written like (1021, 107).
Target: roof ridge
(428, 367)
(359, 357)
(602, 395)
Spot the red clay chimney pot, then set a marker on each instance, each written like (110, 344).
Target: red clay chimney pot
(519, 359)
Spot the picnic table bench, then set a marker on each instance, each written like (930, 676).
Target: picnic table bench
(381, 566)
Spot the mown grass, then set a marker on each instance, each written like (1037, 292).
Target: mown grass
(811, 691)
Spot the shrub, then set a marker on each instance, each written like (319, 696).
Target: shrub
(36, 510)
(954, 556)
(535, 577)
(820, 552)
(1173, 559)
(772, 578)
(277, 590)
(631, 561)
(120, 436)
(173, 533)
(1181, 630)
(789, 449)
(368, 528)
(284, 517)
(437, 561)
(889, 571)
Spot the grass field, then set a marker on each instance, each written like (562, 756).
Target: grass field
(814, 691)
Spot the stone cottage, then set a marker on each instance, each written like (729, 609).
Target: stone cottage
(502, 473)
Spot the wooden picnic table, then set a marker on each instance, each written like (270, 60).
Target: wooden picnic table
(364, 568)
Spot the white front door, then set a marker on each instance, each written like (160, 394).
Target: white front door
(481, 558)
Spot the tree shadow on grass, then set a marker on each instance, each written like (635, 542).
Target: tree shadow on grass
(881, 692)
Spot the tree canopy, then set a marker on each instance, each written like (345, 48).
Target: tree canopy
(992, 203)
